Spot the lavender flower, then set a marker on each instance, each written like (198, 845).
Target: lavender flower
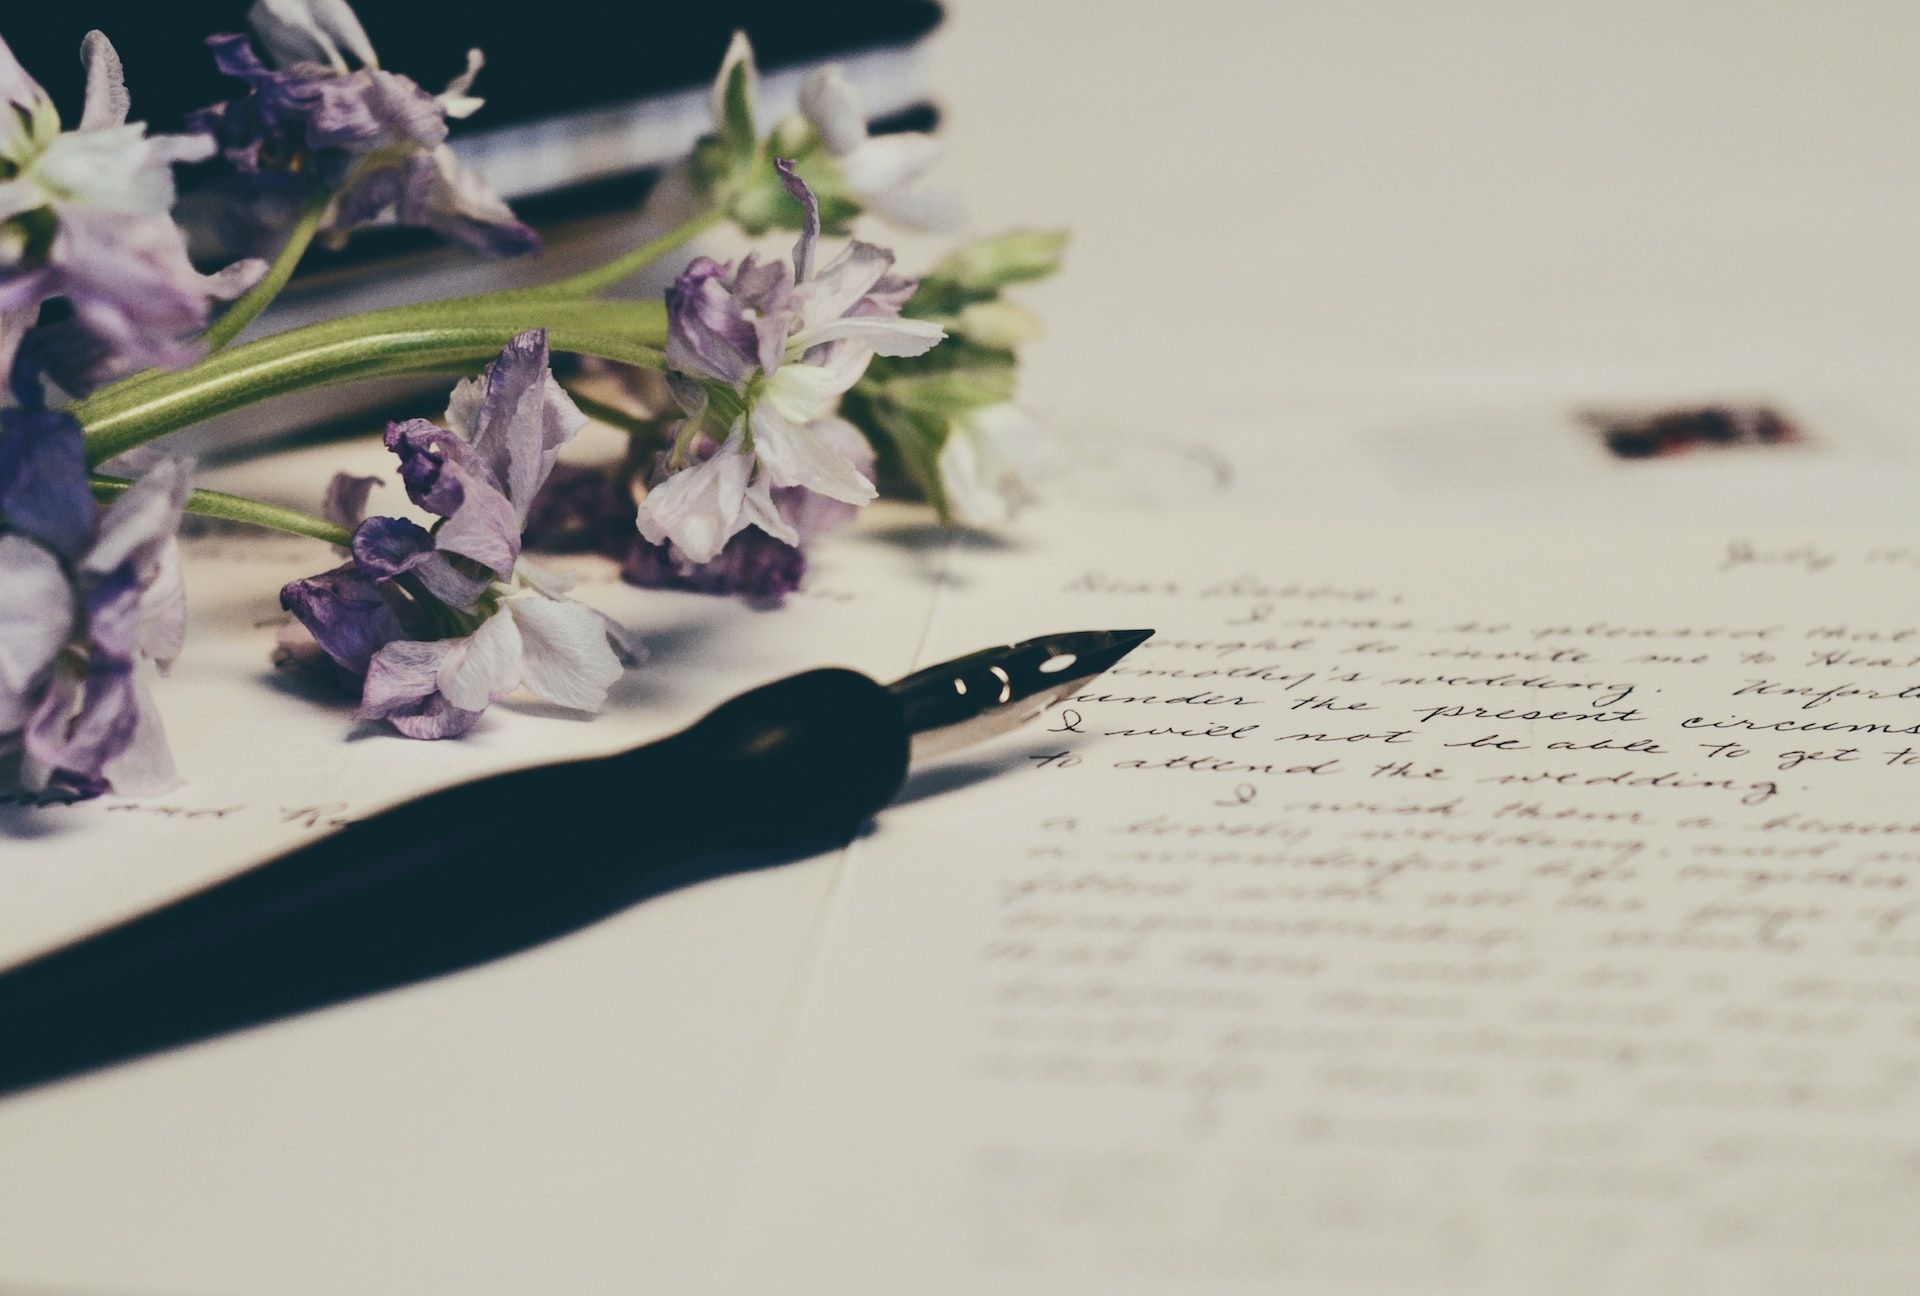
(84, 215)
(85, 594)
(758, 562)
(438, 623)
(763, 353)
(752, 565)
(373, 138)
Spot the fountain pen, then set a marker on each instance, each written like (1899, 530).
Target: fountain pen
(481, 870)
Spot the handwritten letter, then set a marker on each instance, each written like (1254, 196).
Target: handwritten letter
(1438, 912)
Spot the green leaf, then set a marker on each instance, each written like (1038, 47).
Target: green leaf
(1002, 325)
(976, 378)
(953, 393)
(737, 128)
(917, 440)
(1017, 256)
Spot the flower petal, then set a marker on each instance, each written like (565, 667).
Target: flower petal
(37, 611)
(17, 90)
(346, 499)
(447, 476)
(804, 392)
(566, 656)
(795, 455)
(456, 98)
(83, 723)
(809, 221)
(698, 508)
(402, 689)
(885, 163)
(43, 480)
(106, 102)
(484, 665)
(137, 527)
(459, 202)
(346, 613)
(989, 463)
(708, 332)
(432, 718)
(386, 547)
(402, 672)
(517, 417)
(311, 31)
(832, 107)
(936, 210)
(163, 609)
(887, 335)
(812, 515)
(758, 509)
(843, 281)
(145, 766)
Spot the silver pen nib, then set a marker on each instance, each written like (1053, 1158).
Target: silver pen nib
(982, 695)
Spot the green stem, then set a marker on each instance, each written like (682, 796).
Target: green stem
(258, 297)
(600, 278)
(130, 392)
(405, 340)
(238, 508)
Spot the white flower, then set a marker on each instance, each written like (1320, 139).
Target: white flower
(700, 508)
(881, 171)
(989, 465)
(788, 344)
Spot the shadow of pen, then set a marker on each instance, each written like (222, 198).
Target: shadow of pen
(463, 876)
(56, 1031)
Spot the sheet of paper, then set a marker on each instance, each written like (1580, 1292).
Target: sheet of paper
(268, 758)
(566, 1120)
(1423, 909)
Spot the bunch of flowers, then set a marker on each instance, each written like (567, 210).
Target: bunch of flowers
(768, 398)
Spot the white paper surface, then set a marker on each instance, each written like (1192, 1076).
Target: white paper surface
(1422, 910)
(1291, 223)
(566, 1120)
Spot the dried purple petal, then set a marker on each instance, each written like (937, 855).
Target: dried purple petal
(374, 139)
(752, 564)
(386, 547)
(439, 623)
(84, 595)
(346, 499)
(581, 510)
(346, 613)
(95, 228)
(43, 480)
(708, 333)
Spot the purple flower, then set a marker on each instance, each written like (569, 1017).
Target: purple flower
(437, 623)
(85, 594)
(752, 564)
(763, 560)
(582, 510)
(375, 139)
(84, 215)
(764, 353)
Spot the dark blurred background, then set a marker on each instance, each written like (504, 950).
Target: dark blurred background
(602, 56)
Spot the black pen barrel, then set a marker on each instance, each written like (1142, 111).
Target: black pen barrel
(458, 877)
